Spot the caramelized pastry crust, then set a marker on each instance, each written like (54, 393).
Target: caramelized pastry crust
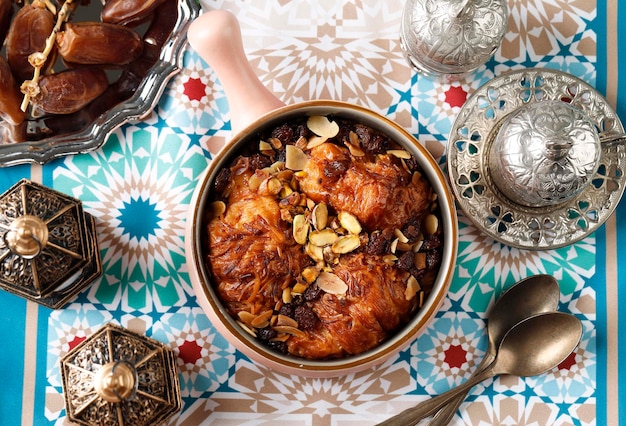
(326, 248)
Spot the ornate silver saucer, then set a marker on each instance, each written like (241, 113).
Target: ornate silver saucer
(483, 188)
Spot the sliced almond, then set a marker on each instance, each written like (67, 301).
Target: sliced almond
(275, 143)
(289, 330)
(265, 147)
(246, 317)
(390, 259)
(349, 222)
(295, 158)
(300, 229)
(320, 216)
(315, 141)
(416, 177)
(322, 126)
(412, 287)
(331, 283)
(346, 244)
(431, 224)
(399, 153)
(247, 328)
(403, 246)
(323, 237)
(401, 237)
(285, 320)
(262, 320)
(394, 245)
(419, 260)
(217, 208)
(287, 295)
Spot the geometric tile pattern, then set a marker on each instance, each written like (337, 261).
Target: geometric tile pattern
(139, 186)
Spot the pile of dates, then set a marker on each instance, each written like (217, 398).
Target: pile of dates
(58, 71)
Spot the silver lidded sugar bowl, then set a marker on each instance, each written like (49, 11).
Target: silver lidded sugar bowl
(544, 154)
(450, 38)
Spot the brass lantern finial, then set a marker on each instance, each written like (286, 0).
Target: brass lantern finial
(116, 381)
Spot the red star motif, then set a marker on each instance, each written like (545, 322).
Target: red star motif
(76, 341)
(189, 352)
(195, 89)
(455, 356)
(568, 362)
(456, 96)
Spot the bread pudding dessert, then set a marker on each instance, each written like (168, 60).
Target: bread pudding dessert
(323, 238)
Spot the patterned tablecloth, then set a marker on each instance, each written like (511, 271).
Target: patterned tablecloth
(139, 186)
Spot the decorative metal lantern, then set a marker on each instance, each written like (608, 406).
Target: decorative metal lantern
(48, 245)
(118, 377)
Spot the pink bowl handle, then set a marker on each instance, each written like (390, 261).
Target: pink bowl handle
(216, 37)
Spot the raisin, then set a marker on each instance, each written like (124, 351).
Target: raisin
(286, 310)
(405, 261)
(335, 169)
(431, 242)
(305, 317)
(259, 161)
(266, 334)
(222, 179)
(312, 293)
(371, 141)
(378, 244)
(433, 258)
(283, 133)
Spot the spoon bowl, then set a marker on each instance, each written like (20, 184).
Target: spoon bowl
(530, 296)
(531, 347)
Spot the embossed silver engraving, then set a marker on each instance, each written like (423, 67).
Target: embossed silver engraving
(485, 204)
(451, 37)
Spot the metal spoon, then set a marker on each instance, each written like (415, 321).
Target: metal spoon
(531, 347)
(529, 296)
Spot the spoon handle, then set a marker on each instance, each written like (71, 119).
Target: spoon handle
(412, 415)
(444, 415)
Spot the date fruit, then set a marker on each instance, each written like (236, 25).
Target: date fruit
(70, 90)
(10, 96)
(30, 28)
(127, 12)
(6, 12)
(97, 43)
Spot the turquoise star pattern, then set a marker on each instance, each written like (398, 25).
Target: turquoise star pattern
(140, 226)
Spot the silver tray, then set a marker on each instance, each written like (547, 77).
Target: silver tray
(479, 198)
(89, 134)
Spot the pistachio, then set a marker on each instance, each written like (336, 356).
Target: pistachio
(300, 229)
(349, 222)
(346, 244)
(298, 288)
(295, 158)
(323, 237)
(271, 186)
(310, 274)
(315, 252)
(320, 216)
(322, 126)
(331, 283)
